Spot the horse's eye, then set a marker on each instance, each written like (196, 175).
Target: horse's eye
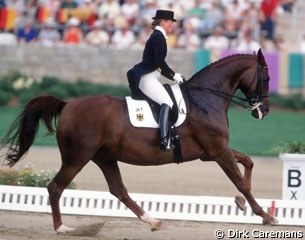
(266, 79)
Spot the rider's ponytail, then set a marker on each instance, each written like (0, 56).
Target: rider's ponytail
(155, 22)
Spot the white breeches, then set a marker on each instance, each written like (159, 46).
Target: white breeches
(152, 88)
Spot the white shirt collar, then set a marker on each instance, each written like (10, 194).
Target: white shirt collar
(161, 30)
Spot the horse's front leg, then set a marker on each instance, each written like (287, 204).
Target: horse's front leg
(113, 177)
(246, 161)
(229, 165)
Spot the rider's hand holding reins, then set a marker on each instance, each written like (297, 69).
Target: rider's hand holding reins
(179, 78)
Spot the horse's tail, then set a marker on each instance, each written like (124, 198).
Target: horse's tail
(23, 130)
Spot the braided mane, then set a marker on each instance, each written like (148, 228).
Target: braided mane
(223, 61)
(229, 57)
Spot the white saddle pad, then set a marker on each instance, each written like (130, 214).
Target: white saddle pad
(140, 114)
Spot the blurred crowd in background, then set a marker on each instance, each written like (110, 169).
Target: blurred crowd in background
(243, 25)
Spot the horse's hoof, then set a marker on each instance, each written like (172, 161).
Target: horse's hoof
(154, 223)
(240, 202)
(269, 220)
(158, 225)
(64, 229)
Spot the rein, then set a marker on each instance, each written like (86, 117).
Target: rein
(224, 95)
(254, 102)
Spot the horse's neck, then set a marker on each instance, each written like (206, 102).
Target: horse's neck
(219, 82)
(226, 78)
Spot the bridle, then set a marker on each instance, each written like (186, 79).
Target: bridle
(254, 101)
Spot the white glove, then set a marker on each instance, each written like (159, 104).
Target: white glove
(178, 78)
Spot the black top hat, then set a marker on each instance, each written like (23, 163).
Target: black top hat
(165, 14)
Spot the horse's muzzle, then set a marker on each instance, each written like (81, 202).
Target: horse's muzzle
(259, 113)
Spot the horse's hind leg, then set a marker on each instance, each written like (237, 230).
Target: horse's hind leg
(246, 161)
(113, 177)
(72, 163)
(227, 162)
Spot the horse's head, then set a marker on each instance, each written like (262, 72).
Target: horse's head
(221, 79)
(257, 89)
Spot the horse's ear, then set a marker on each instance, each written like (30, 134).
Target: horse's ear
(260, 57)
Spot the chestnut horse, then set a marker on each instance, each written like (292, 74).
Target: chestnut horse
(97, 128)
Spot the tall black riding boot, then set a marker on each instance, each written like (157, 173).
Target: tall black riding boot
(164, 127)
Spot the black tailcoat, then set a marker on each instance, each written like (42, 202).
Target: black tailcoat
(153, 58)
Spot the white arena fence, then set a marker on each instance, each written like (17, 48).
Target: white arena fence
(175, 207)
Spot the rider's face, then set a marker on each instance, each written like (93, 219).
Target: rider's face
(168, 25)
